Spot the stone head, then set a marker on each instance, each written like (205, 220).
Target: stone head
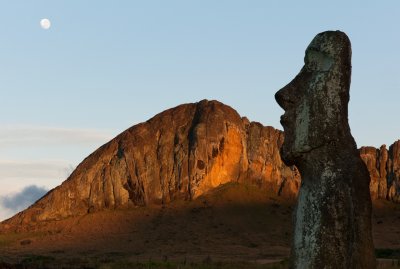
(315, 101)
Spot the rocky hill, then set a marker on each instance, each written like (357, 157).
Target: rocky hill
(384, 168)
(185, 152)
(180, 153)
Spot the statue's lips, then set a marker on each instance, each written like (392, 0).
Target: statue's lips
(284, 120)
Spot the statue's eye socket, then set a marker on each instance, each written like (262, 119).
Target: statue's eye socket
(317, 61)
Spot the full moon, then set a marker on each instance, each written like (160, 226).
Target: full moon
(45, 24)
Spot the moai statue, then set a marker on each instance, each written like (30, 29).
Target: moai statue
(332, 221)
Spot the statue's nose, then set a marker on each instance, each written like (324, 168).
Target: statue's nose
(286, 97)
(282, 97)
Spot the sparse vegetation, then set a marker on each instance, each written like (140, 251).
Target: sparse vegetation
(6, 239)
(23, 238)
(176, 236)
(47, 262)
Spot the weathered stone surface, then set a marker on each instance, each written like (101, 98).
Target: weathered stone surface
(180, 153)
(393, 172)
(265, 165)
(332, 223)
(376, 160)
(384, 168)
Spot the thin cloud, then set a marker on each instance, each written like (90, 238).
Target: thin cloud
(19, 169)
(25, 136)
(6, 213)
(41, 155)
(21, 200)
(16, 174)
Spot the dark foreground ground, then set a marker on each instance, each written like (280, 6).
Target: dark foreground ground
(234, 226)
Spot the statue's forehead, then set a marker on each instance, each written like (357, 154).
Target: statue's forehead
(328, 43)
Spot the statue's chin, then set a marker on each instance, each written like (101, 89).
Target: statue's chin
(287, 156)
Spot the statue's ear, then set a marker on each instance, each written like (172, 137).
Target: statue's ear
(317, 61)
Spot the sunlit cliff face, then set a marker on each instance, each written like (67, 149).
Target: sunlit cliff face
(312, 99)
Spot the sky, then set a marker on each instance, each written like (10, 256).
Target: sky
(104, 66)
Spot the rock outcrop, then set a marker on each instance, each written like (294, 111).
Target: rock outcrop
(384, 168)
(393, 172)
(332, 220)
(180, 153)
(376, 160)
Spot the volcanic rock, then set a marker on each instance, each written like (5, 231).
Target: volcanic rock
(393, 172)
(180, 153)
(376, 160)
(384, 168)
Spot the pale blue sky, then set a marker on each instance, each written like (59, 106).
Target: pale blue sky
(106, 65)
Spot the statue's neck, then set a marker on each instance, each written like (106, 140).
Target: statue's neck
(327, 160)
